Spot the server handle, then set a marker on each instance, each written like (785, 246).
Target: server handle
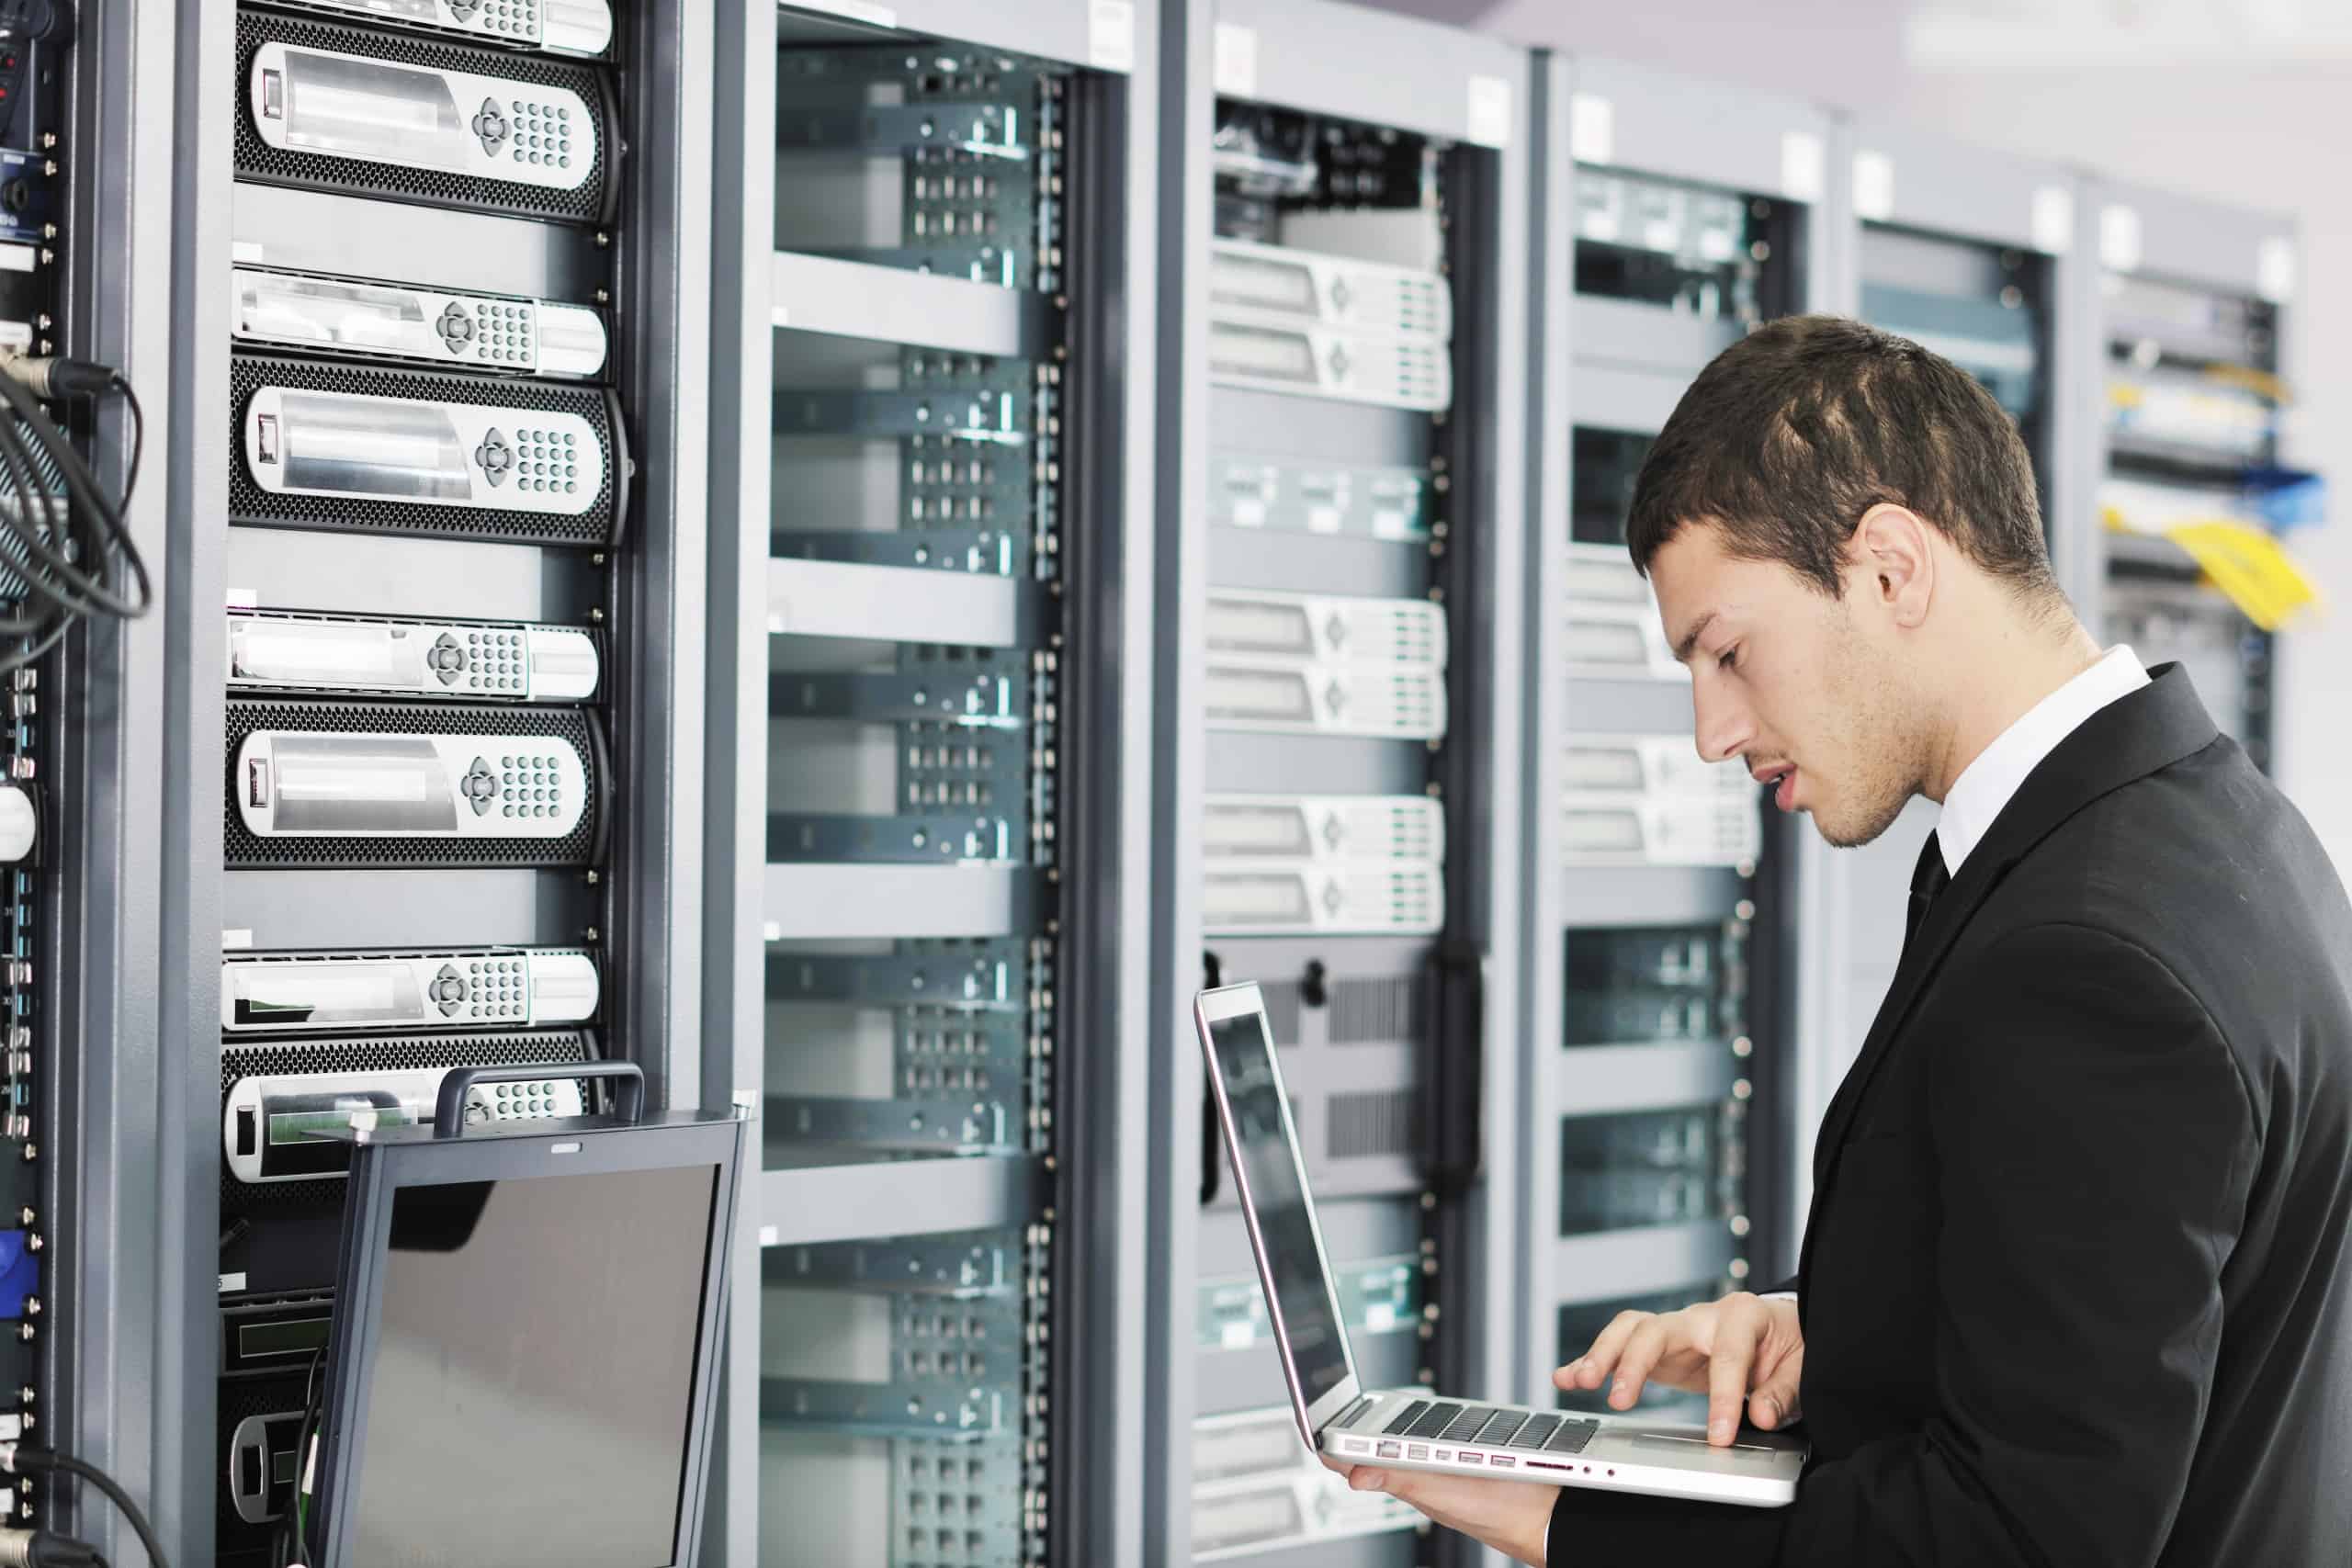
(1453, 1131)
(449, 1110)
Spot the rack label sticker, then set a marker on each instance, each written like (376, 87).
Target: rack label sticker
(769, 1235)
(1805, 165)
(1874, 187)
(246, 250)
(1489, 111)
(2274, 269)
(1111, 35)
(2119, 237)
(1237, 60)
(232, 1283)
(1592, 129)
(2053, 220)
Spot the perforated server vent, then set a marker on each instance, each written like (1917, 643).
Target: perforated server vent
(1383, 1123)
(1378, 1011)
(591, 201)
(596, 527)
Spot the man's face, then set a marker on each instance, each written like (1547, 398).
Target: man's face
(1793, 683)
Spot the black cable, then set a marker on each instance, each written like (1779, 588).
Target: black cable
(48, 527)
(28, 1460)
(82, 486)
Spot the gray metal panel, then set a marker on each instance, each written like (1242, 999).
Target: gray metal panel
(1949, 188)
(802, 1205)
(389, 908)
(660, 667)
(815, 598)
(822, 294)
(1644, 896)
(1599, 706)
(1544, 708)
(1607, 1078)
(1179, 567)
(1613, 395)
(735, 819)
(1623, 332)
(817, 903)
(1080, 32)
(1708, 132)
(129, 1366)
(1244, 762)
(2186, 239)
(1392, 1548)
(310, 230)
(1253, 557)
(286, 569)
(1607, 1264)
(1329, 57)
(187, 1146)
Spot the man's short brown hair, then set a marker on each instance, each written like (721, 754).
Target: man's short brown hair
(1798, 429)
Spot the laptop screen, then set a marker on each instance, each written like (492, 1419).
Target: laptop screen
(533, 1379)
(1267, 1151)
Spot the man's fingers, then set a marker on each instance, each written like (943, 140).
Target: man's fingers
(1592, 1369)
(1364, 1479)
(1728, 1376)
(1647, 1343)
(1775, 1401)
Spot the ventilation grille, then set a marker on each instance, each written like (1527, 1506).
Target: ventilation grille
(596, 528)
(373, 1055)
(1382, 1011)
(590, 202)
(582, 846)
(1385, 1123)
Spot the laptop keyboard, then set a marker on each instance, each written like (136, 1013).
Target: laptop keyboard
(1489, 1428)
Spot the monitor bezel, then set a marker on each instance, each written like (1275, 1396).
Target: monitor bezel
(383, 1165)
(1210, 1009)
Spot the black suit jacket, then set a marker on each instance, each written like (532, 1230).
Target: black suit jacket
(2077, 1282)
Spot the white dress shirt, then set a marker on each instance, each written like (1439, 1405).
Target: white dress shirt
(1985, 785)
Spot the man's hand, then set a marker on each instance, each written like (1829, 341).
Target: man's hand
(1509, 1515)
(1739, 1349)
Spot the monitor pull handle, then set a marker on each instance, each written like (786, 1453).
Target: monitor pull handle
(449, 1110)
(1453, 1130)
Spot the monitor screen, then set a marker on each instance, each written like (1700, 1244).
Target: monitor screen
(500, 1426)
(1268, 1153)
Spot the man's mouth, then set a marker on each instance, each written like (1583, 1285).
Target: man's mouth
(1782, 777)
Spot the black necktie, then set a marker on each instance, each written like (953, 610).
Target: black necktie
(1927, 878)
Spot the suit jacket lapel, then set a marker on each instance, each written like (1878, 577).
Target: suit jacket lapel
(2128, 739)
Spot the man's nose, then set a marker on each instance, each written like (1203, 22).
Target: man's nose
(1722, 726)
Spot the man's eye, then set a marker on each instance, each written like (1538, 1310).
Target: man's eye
(1728, 658)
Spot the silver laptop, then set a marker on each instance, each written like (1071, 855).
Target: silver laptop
(1412, 1428)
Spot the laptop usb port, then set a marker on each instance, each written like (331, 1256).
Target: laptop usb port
(1358, 1445)
(1419, 1450)
(1472, 1459)
(1392, 1450)
(1502, 1461)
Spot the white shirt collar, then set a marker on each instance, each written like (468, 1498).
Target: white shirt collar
(1985, 785)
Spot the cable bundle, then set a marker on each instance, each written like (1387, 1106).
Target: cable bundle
(61, 535)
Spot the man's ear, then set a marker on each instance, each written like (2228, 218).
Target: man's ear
(1890, 561)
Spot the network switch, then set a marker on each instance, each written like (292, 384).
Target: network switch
(467, 660)
(1393, 372)
(310, 992)
(1400, 703)
(1397, 897)
(1280, 287)
(1326, 629)
(1241, 829)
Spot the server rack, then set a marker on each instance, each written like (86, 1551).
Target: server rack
(930, 581)
(2193, 303)
(366, 509)
(1971, 253)
(1338, 788)
(1663, 914)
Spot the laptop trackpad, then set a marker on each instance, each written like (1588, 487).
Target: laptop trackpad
(1696, 1450)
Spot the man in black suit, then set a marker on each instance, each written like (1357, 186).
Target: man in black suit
(2077, 1290)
